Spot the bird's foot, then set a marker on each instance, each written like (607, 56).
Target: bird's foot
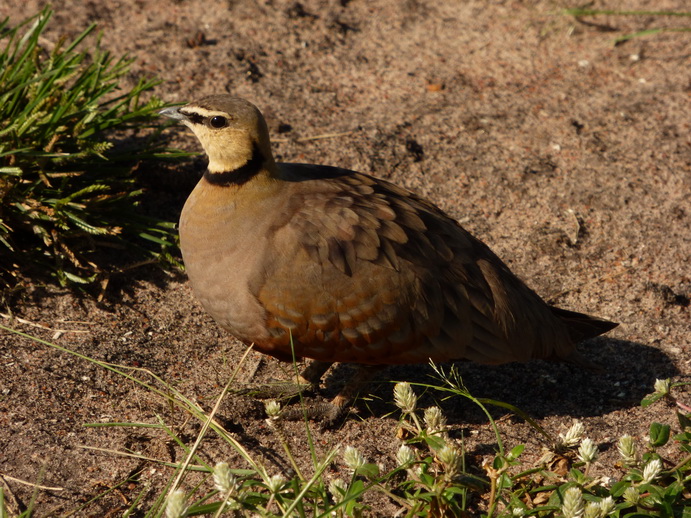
(327, 413)
(279, 390)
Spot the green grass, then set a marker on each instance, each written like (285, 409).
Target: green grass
(580, 12)
(70, 141)
(432, 477)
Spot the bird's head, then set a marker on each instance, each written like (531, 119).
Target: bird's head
(231, 130)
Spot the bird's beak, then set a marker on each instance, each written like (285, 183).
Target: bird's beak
(173, 113)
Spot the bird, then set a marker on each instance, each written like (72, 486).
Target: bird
(337, 266)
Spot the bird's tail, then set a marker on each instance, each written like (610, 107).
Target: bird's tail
(582, 326)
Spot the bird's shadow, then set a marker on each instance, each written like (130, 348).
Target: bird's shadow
(538, 388)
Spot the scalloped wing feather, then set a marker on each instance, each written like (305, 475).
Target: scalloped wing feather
(389, 278)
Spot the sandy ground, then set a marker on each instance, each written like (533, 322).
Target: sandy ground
(569, 156)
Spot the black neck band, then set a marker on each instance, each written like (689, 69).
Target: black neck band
(240, 175)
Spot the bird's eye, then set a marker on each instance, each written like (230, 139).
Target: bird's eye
(218, 121)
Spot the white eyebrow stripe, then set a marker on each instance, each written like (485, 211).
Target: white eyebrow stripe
(202, 111)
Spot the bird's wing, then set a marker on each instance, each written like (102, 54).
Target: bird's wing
(364, 271)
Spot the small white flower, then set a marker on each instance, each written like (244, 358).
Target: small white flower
(275, 483)
(435, 422)
(592, 510)
(631, 495)
(587, 451)
(451, 460)
(606, 506)
(651, 471)
(573, 503)
(518, 511)
(573, 435)
(175, 506)
(338, 489)
(405, 456)
(662, 386)
(353, 459)
(224, 480)
(272, 408)
(404, 397)
(627, 449)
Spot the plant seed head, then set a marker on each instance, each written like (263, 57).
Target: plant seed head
(587, 451)
(224, 480)
(175, 506)
(627, 449)
(405, 456)
(435, 422)
(572, 436)
(606, 506)
(651, 471)
(573, 503)
(662, 386)
(631, 495)
(353, 459)
(275, 483)
(451, 460)
(338, 489)
(273, 409)
(404, 397)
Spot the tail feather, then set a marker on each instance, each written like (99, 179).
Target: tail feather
(581, 326)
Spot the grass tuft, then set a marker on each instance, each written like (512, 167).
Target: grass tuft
(68, 158)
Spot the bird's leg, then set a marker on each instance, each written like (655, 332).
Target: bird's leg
(363, 375)
(312, 374)
(331, 412)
